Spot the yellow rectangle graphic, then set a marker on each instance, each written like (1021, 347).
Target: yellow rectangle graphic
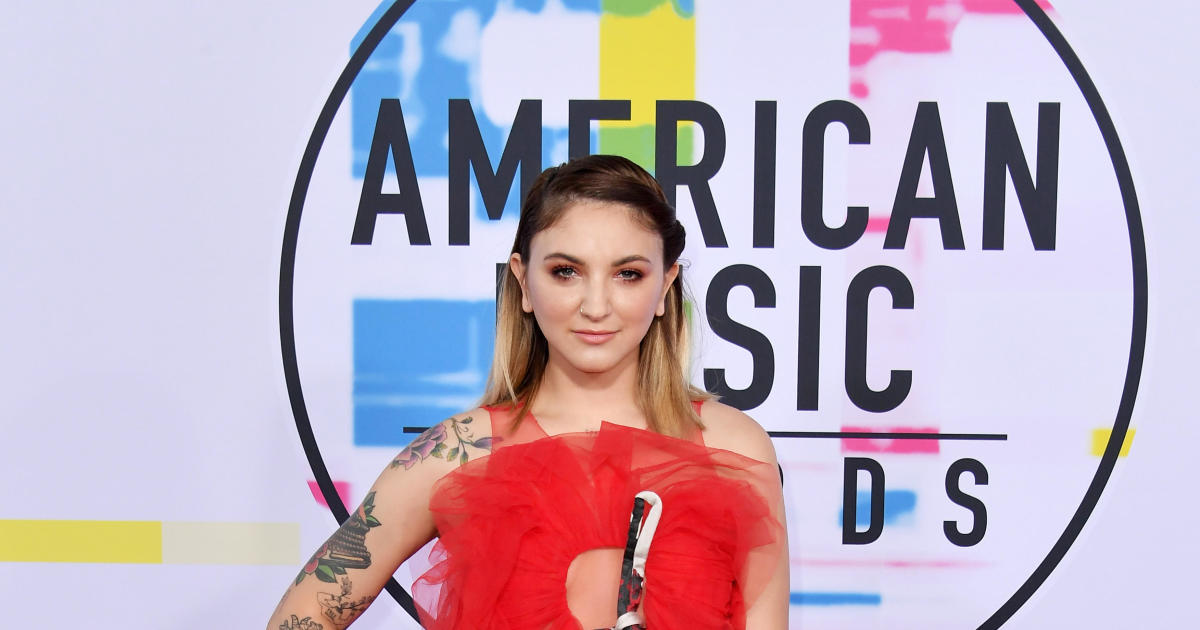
(138, 542)
(231, 543)
(645, 58)
(1100, 438)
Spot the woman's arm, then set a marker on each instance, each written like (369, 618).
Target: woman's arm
(346, 573)
(732, 430)
(769, 611)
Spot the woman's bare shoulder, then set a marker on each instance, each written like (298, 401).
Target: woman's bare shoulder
(732, 430)
(450, 443)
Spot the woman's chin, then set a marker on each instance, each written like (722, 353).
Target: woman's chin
(600, 363)
(594, 368)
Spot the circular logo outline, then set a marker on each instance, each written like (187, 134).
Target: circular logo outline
(1137, 246)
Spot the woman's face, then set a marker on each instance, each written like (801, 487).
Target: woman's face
(594, 281)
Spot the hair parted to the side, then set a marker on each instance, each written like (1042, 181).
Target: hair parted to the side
(664, 392)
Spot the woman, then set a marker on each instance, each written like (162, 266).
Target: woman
(588, 406)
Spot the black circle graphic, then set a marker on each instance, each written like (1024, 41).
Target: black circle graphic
(1137, 344)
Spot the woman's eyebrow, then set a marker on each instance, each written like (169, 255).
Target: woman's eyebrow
(575, 261)
(632, 258)
(571, 259)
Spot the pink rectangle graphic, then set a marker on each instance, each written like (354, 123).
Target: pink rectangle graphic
(892, 563)
(998, 6)
(343, 490)
(878, 224)
(920, 27)
(900, 446)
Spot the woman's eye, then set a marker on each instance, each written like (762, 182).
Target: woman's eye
(563, 272)
(629, 274)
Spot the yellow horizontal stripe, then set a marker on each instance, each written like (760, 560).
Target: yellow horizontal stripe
(149, 542)
(1100, 438)
(231, 543)
(81, 541)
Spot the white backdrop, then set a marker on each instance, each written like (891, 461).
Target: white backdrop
(149, 154)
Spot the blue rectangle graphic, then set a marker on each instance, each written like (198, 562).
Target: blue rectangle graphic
(807, 598)
(899, 507)
(417, 362)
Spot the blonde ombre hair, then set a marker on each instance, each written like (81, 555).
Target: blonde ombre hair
(664, 393)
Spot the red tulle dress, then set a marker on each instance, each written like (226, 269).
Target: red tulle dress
(531, 536)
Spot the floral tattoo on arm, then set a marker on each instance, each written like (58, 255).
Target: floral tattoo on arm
(435, 441)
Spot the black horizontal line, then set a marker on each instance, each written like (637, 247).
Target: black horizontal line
(862, 435)
(872, 435)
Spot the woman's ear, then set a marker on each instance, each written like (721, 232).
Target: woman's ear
(518, 269)
(668, 281)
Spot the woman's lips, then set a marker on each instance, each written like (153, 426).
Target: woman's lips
(595, 336)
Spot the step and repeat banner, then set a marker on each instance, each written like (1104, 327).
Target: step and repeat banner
(916, 256)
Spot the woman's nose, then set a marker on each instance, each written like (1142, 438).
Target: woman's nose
(595, 303)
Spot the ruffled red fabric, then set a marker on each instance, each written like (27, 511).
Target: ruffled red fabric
(511, 523)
